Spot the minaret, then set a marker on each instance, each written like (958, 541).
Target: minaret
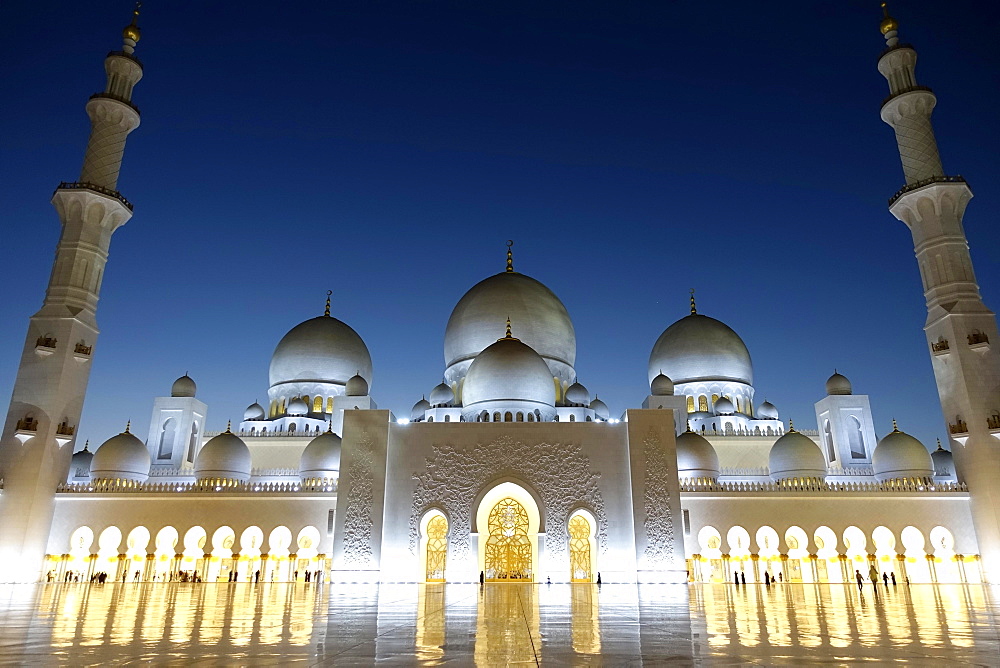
(961, 331)
(36, 442)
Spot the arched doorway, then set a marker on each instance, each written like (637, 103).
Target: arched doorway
(508, 549)
(580, 552)
(435, 547)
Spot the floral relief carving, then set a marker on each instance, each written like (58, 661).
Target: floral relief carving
(659, 521)
(559, 473)
(358, 515)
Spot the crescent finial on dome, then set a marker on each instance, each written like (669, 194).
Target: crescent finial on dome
(128, 425)
(895, 429)
(510, 257)
(229, 426)
(791, 426)
(327, 311)
(694, 309)
(329, 426)
(86, 445)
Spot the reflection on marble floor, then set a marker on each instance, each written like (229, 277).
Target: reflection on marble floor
(498, 624)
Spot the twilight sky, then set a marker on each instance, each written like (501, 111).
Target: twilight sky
(387, 150)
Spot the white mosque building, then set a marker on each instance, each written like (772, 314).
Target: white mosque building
(510, 469)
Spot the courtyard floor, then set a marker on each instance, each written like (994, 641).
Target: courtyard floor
(500, 624)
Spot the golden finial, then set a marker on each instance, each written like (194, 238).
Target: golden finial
(128, 425)
(791, 426)
(510, 257)
(694, 309)
(508, 328)
(329, 426)
(508, 336)
(939, 445)
(327, 312)
(689, 426)
(895, 429)
(888, 23)
(131, 31)
(86, 445)
(229, 426)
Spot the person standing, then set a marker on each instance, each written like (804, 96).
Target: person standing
(861, 580)
(873, 575)
(885, 579)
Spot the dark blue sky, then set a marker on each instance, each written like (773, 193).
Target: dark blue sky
(387, 150)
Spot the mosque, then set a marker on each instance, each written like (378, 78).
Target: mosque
(510, 469)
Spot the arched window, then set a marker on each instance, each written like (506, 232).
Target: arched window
(167, 436)
(329, 404)
(192, 442)
(855, 437)
(447, 418)
(579, 549)
(291, 428)
(305, 399)
(437, 548)
(508, 417)
(572, 418)
(715, 397)
(690, 404)
(531, 417)
(831, 453)
(508, 548)
(519, 417)
(703, 403)
(318, 404)
(496, 416)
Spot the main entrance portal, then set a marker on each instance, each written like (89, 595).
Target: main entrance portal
(508, 549)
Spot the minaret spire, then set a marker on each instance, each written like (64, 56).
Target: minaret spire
(510, 257)
(962, 336)
(50, 387)
(327, 312)
(694, 308)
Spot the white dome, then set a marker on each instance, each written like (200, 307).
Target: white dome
(796, 456)
(541, 320)
(600, 409)
(442, 395)
(944, 464)
(183, 387)
(321, 458)
(419, 408)
(724, 406)
(297, 406)
(121, 457)
(577, 394)
(224, 457)
(767, 411)
(696, 458)
(254, 412)
(356, 386)
(508, 375)
(661, 386)
(899, 455)
(838, 384)
(320, 350)
(699, 348)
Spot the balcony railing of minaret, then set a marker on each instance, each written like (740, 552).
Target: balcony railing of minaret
(116, 98)
(81, 185)
(123, 54)
(976, 338)
(939, 346)
(27, 423)
(45, 345)
(993, 421)
(925, 182)
(904, 91)
(65, 429)
(894, 47)
(958, 427)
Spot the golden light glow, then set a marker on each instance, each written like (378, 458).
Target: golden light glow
(437, 548)
(508, 550)
(579, 549)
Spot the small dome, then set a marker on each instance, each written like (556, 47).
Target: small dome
(577, 394)
(442, 395)
(661, 386)
(796, 456)
(224, 457)
(699, 348)
(600, 409)
(356, 386)
(297, 406)
(724, 406)
(80, 464)
(183, 387)
(121, 457)
(696, 458)
(767, 411)
(944, 464)
(838, 384)
(419, 408)
(508, 375)
(254, 412)
(899, 455)
(321, 458)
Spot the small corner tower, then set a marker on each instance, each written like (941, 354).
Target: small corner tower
(176, 426)
(846, 428)
(55, 364)
(961, 331)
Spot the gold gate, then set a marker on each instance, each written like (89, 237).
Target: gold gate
(508, 549)
(579, 549)
(437, 548)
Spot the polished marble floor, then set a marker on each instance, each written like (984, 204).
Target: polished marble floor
(500, 624)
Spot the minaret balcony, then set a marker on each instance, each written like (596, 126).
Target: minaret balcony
(81, 353)
(958, 427)
(125, 54)
(904, 91)
(26, 428)
(940, 347)
(80, 185)
(910, 187)
(979, 342)
(45, 346)
(64, 433)
(116, 98)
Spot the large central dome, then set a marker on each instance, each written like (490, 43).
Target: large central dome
(540, 318)
(320, 350)
(699, 348)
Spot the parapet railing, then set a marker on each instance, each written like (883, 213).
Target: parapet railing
(123, 54)
(188, 472)
(195, 487)
(116, 98)
(825, 487)
(82, 185)
(270, 434)
(904, 91)
(909, 187)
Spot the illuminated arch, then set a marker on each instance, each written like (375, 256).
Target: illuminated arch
(508, 522)
(582, 529)
(434, 545)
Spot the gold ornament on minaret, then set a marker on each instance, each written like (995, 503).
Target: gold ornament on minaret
(888, 23)
(131, 31)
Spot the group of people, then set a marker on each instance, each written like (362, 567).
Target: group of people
(873, 578)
